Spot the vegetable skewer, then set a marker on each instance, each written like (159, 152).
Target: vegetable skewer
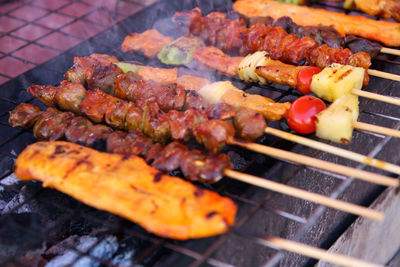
(48, 127)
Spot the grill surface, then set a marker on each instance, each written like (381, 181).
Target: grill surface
(42, 225)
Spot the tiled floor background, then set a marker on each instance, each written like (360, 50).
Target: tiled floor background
(34, 31)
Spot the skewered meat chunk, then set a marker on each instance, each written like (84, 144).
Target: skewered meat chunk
(182, 123)
(190, 166)
(45, 93)
(132, 143)
(162, 204)
(82, 131)
(116, 114)
(134, 118)
(52, 124)
(24, 115)
(191, 83)
(103, 77)
(220, 111)
(78, 72)
(154, 152)
(249, 124)
(69, 95)
(213, 134)
(214, 167)
(193, 101)
(95, 105)
(122, 83)
(170, 157)
(155, 122)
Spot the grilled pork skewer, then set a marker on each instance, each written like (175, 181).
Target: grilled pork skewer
(53, 124)
(382, 31)
(99, 71)
(128, 187)
(125, 185)
(193, 83)
(212, 134)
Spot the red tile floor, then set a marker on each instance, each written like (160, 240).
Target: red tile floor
(34, 31)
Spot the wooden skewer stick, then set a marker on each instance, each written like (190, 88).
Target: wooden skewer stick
(316, 253)
(390, 51)
(334, 150)
(305, 195)
(378, 97)
(317, 163)
(385, 75)
(376, 129)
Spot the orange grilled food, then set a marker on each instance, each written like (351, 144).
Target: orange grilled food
(152, 40)
(125, 185)
(382, 31)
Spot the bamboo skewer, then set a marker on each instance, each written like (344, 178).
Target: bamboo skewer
(305, 195)
(334, 150)
(302, 194)
(378, 97)
(317, 163)
(384, 75)
(390, 51)
(314, 252)
(376, 129)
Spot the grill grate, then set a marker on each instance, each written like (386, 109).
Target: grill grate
(49, 221)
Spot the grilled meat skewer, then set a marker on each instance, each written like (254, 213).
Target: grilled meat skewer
(161, 85)
(217, 30)
(146, 116)
(53, 124)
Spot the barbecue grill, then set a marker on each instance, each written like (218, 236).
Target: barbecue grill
(39, 226)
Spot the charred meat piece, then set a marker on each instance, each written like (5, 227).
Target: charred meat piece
(220, 111)
(171, 97)
(82, 65)
(159, 75)
(214, 167)
(69, 95)
(155, 122)
(132, 143)
(52, 124)
(134, 118)
(249, 125)
(215, 28)
(103, 77)
(95, 105)
(182, 123)
(153, 152)
(45, 93)
(170, 157)
(116, 113)
(213, 134)
(123, 82)
(190, 166)
(82, 131)
(193, 100)
(357, 44)
(24, 115)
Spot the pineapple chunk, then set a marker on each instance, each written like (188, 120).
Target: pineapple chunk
(337, 80)
(336, 122)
